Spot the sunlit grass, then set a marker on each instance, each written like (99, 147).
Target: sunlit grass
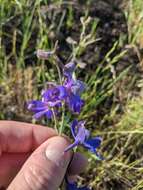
(113, 108)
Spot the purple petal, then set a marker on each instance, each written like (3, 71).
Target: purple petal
(36, 105)
(75, 103)
(69, 69)
(47, 95)
(62, 92)
(49, 114)
(40, 114)
(55, 103)
(71, 146)
(73, 125)
(77, 87)
(54, 94)
(93, 143)
(81, 135)
(73, 186)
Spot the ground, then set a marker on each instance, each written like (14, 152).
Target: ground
(108, 40)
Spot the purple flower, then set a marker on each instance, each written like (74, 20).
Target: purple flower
(53, 97)
(74, 88)
(69, 69)
(75, 103)
(55, 93)
(40, 108)
(73, 186)
(82, 137)
(51, 101)
(63, 93)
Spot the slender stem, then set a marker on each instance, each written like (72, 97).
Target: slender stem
(59, 73)
(55, 121)
(63, 118)
(58, 64)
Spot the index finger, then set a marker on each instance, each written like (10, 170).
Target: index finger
(18, 137)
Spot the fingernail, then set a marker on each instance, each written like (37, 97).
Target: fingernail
(57, 156)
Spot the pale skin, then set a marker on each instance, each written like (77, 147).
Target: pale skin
(31, 157)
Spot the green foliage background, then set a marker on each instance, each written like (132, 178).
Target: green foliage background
(106, 38)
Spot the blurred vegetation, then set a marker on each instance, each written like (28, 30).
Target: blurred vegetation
(106, 39)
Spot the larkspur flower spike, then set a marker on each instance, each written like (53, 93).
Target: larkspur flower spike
(67, 93)
(53, 97)
(82, 137)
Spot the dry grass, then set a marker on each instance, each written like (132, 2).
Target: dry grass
(110, 45)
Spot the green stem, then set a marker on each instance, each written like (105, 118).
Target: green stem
(55, 121)
(58, 64)
(63, 118)
(59, 73)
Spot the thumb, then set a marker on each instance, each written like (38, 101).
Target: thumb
(45, 168)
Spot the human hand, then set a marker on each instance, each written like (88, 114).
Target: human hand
(31, 157)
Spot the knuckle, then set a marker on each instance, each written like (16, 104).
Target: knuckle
(39, 178)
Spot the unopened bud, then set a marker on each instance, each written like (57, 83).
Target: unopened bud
(44, 54)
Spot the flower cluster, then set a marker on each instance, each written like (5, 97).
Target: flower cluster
(67, 93)
(52, 99)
